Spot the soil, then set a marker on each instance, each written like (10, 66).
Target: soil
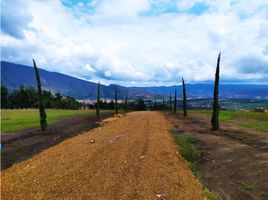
(129, 157)
(24, 144)
(230, 158)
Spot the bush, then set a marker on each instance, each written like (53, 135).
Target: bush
(140, 105)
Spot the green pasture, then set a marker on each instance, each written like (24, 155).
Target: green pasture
(248, 119)
(15, 120)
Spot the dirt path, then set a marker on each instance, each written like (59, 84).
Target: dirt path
(234, 161)
(130, 158)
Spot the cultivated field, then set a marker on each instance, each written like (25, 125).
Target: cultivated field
(16, 120)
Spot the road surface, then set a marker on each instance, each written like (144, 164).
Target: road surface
(132, 157)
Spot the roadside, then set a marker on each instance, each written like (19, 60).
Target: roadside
(23, 145)
(133, 157)
(233, 161)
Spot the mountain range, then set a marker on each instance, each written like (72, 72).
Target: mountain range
(14, 75)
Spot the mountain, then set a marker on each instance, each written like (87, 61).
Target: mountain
(201, 90)
(14, 75)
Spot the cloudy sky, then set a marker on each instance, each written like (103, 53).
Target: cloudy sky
(139, 42)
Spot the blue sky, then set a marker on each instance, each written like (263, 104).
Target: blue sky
(141, 42)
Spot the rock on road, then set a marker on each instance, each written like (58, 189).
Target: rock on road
(133, 157)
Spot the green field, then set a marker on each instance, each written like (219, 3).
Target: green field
(255, 120)
(15, 120)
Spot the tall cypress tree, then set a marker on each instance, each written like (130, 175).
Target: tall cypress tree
(170, 103)
(163, 103)
(115, 98)
(155, 104)
(184, 99)
(215, 114)
(126, 103)
(98, 101)
(175, 102)
(42, 112)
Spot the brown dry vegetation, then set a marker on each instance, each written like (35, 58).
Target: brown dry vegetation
(133, 157)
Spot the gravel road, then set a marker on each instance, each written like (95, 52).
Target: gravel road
(131, 157)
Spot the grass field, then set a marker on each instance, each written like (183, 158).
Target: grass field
(15, 120)
(255, 120)
(187, 150)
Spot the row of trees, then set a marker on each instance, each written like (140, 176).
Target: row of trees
(27, 97)
(140, 105)
(184, 101)
(126, 106)
(215, 112)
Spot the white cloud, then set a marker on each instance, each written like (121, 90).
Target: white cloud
(117, 44)
(88, 68)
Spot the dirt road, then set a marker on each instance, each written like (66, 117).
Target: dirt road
(234, 160)
(133, 157)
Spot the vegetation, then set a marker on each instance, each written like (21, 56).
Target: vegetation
(210, 194)
(190, 153)
(175, 102)
(16, 120)
(186, 148)
(215, 114)
(170, 103)
(27, 97)
(42, 112)
(259, 125)
(256, 120)
(227, 104)
(103, 105)
(140, 105)
(157, 104)
(115, 98)
(98, 101)
(126, 103)
(246, 186)
(184, 99)
(4, 97)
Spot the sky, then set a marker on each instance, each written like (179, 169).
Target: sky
(139, 42)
